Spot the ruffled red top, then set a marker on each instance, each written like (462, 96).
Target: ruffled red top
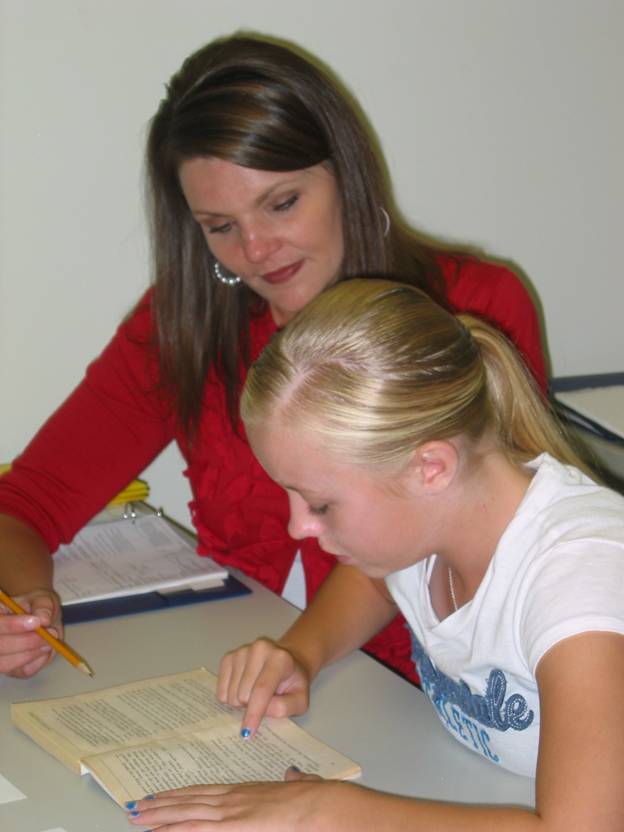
(116, 421)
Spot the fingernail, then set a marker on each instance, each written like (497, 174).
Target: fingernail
(131, 804)
(245, 732)
(295, 768)
(32, 623)
(134, 814)
(149, 797)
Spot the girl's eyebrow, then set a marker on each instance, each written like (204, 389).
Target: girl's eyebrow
(308, 496)
(288, 487)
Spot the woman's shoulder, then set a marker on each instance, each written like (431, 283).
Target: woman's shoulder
(493, 291)
(475, 284)
(139, 322)
(131, 357)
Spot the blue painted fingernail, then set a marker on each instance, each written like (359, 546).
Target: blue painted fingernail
(245, 732)
(134, 814)
(131, 804)
(149, 797)
(295, 768)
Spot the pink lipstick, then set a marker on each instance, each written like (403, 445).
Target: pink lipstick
(282, 275)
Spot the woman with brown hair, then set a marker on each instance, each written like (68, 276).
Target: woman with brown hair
(264, 189)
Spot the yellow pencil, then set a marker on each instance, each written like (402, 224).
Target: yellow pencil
(63, 649)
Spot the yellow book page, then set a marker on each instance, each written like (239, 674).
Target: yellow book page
(169, 731)
(122, 716)
(218, 755)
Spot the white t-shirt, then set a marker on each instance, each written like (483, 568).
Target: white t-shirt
(558, 570)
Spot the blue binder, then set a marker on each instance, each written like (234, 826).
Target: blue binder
(148, 601)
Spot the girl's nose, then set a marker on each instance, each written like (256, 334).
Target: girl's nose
(302, 522)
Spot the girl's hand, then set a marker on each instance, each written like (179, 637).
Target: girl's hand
(264, 679)
(22, 652)
(304, 802)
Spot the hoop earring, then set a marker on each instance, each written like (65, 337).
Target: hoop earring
(387, 222)
(227, 280)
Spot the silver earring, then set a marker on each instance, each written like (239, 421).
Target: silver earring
(227, 280)
(387, 222)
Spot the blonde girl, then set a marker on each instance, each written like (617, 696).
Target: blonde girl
(413, 445)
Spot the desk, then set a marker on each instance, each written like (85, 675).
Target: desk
(592, 404)
(359, 707)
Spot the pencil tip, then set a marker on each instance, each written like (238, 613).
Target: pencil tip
(85, 669)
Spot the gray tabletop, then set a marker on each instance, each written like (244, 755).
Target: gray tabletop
(359, 707)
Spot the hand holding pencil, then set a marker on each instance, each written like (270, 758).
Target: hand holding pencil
(21, 651)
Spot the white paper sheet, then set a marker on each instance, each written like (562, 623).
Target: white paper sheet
(110, 560)
(8, 792)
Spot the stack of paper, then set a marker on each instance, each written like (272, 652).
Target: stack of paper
(124, 557)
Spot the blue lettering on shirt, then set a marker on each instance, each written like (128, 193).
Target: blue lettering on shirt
(464, 712)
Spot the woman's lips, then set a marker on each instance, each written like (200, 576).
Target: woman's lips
(282, 275)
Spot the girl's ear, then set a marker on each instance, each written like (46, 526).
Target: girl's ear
(432, 468)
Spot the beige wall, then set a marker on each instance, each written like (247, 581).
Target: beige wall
(501, 121)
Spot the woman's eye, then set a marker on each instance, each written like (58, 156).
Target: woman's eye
(219, 229)
(318, 509)
(288, 203)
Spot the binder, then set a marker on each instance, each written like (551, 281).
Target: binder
(138, 601)
(150, 601)
(127, 506)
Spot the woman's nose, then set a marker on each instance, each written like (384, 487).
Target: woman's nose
(259, 243)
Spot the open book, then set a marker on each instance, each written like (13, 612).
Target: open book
(123, 557)
(166, 732)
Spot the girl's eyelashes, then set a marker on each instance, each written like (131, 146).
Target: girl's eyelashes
(318, 509)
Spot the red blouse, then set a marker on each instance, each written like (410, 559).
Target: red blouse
(116, 421)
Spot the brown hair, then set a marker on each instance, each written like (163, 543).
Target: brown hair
(375, 368)
(259, 104)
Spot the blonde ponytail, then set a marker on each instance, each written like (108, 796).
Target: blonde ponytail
(524, 423)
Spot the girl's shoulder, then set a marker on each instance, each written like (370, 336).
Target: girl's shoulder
(563, 498)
